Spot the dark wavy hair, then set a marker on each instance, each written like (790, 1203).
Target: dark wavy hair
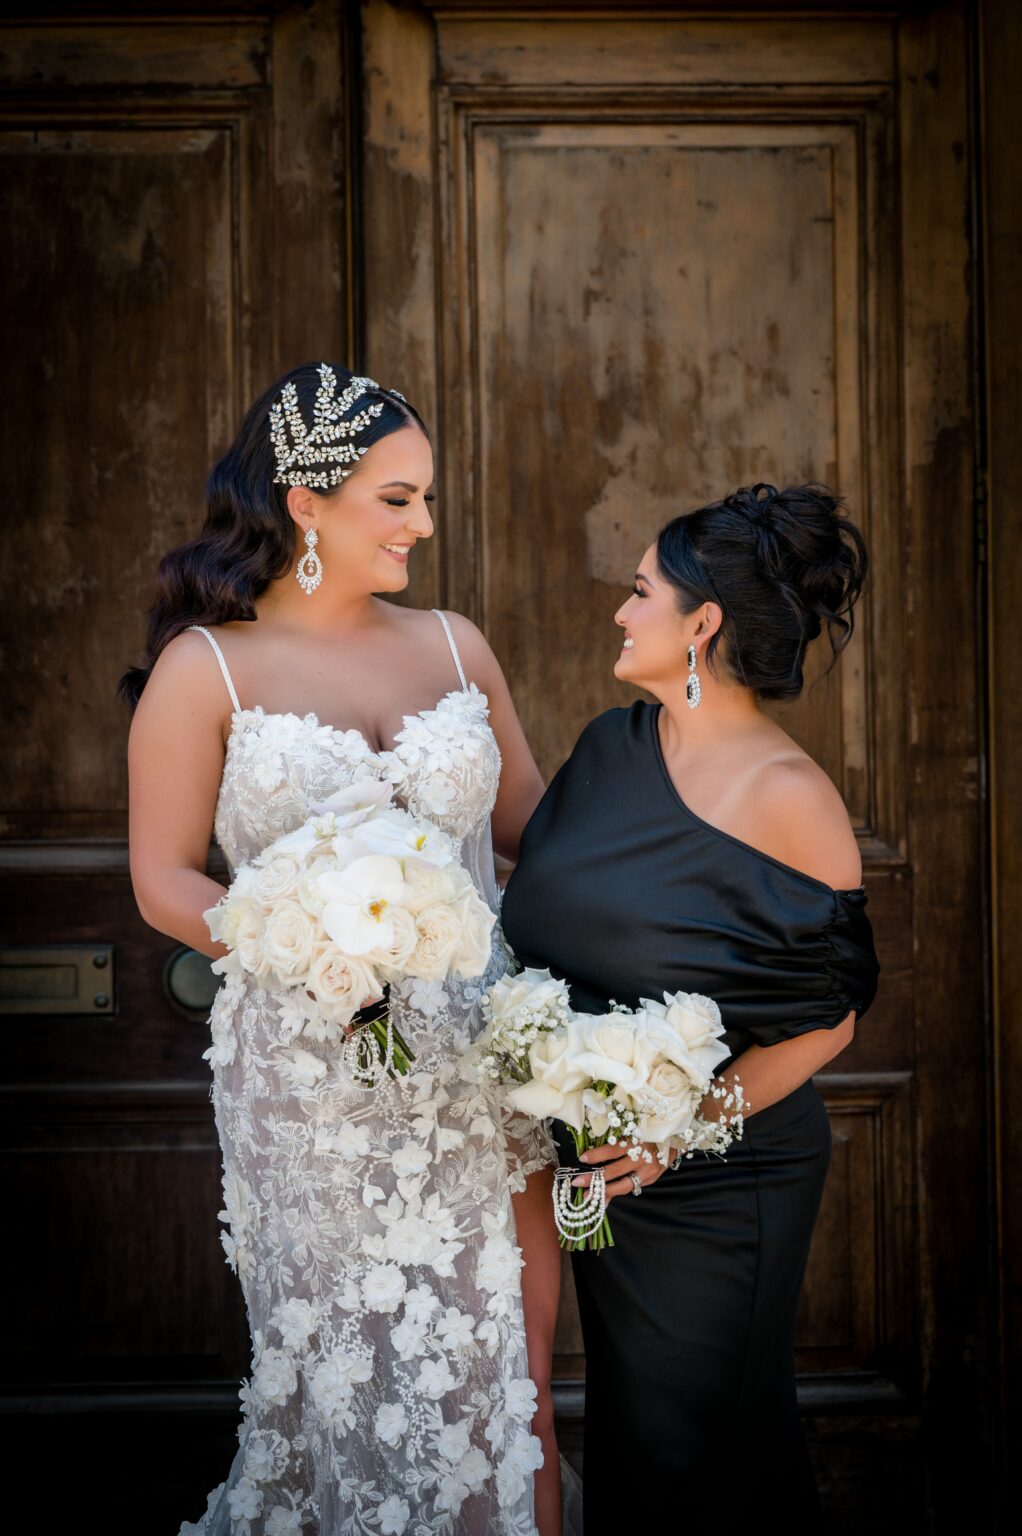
(781, 565)
(248, 538)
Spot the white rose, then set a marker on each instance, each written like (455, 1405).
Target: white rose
(224, 919)
(558, 1077)
(341, 983)
(248, 942)
(425, 886)
(532, 989)
(474, 947)
(688, 1030)
(438, 940)
(678, 1100)
(608, 1053)
(288, 940)
(307, 891)
(277, 879)
(404, 937)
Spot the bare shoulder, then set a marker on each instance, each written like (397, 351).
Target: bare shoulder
(803, 820)
(476, 656)
(186, 682)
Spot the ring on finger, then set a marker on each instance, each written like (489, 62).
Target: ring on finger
(636, 1184)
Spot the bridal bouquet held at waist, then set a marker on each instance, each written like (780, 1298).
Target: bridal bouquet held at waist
(360, 896)
(632, 1078)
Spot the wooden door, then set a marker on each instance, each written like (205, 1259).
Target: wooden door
(174, 238)
(627, 260)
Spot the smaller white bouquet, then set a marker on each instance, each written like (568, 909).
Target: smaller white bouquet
(359, 896)
(628, 1077)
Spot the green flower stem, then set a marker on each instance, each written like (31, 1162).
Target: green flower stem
(403, 1056)
(603, 1237)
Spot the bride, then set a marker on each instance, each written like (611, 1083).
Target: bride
(373, 1233)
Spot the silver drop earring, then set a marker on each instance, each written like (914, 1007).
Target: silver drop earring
(310, 566)
(693, 686)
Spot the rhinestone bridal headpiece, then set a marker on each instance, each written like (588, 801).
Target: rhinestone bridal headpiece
(301, 451)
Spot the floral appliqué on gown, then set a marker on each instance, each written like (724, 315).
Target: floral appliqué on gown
(373, 1235)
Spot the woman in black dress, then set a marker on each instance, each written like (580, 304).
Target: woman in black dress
(690, 844)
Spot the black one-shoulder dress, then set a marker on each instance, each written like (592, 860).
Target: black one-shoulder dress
(688, 1321)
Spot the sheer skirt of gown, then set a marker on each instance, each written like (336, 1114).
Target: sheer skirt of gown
(373, 1235)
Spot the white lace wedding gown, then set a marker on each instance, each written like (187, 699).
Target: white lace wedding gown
(373, 1234)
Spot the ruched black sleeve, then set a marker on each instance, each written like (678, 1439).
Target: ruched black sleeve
(626, 893)
(833, 975)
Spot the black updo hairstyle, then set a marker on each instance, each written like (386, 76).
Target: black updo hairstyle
(781, 566)
(248, 538)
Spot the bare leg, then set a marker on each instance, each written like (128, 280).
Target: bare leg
(541, 1287)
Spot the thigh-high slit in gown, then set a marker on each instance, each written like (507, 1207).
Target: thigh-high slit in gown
(688, 1322)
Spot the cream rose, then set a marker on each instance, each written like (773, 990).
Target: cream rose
(426, 886)
(342, 984)
(558, 1078)
(392, 957)
(248, 942)
(438, 940)
(309, 895)
(672, 1096)
(609, 1048)
(277, 879)
(531, 989)
(688, 1030)
(288, 940)
(474, 947)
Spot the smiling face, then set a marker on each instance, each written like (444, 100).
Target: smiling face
(368, 528)
(656, 633)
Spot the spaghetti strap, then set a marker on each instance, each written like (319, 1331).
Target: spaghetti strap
(218, 653)
(454, 649)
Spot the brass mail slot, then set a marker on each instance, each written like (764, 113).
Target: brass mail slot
(41, 978)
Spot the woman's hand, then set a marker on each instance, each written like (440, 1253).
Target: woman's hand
(618, 1169)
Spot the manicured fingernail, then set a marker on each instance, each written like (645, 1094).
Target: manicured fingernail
(582, 1182)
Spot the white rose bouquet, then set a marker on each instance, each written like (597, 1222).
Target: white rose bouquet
(628, 1077)
(361, 895)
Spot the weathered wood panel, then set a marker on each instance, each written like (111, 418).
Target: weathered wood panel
(1001, 63)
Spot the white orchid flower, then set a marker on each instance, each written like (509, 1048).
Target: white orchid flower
(356, 903)
(354, 804)
(402, 837)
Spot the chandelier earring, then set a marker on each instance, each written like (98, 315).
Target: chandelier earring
(693, 687)
(310, 566)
